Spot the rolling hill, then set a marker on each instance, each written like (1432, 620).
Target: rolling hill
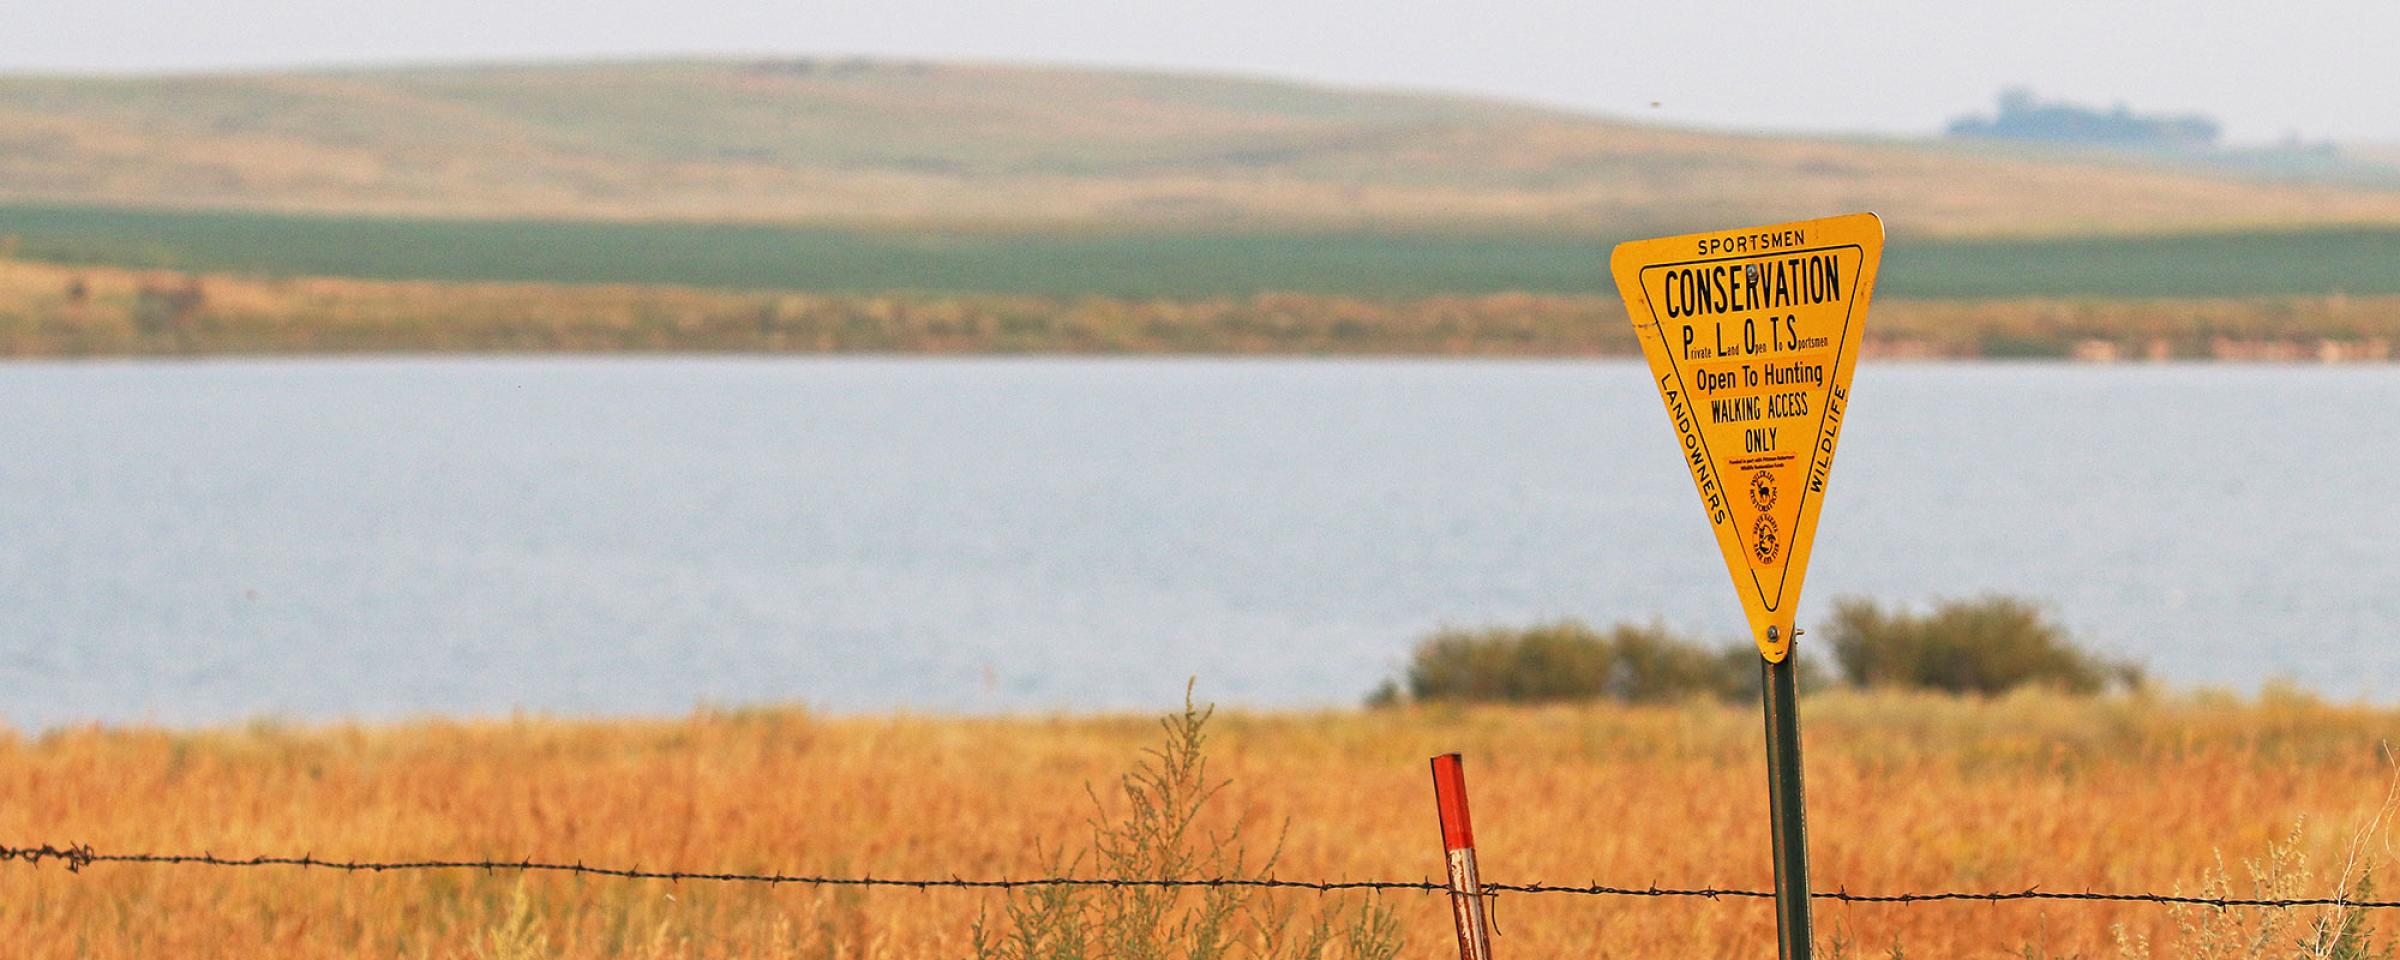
(959, 146)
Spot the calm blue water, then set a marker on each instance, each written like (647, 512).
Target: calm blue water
(192, 542)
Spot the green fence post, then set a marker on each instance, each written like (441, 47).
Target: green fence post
(1785, 802)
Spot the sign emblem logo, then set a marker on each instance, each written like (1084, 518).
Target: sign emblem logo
(1762, 491)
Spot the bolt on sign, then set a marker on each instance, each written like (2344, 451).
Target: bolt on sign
(1752, 335)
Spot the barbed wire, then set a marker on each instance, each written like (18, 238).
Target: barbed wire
(77, 857)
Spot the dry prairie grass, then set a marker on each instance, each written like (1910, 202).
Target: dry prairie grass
(912, 143)
(1907, 793)
(50, 310)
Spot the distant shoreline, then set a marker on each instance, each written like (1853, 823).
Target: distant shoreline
(64, 310)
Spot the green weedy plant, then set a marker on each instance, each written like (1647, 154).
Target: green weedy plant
(2343, 934)
(2212, 933)
(1157, 837)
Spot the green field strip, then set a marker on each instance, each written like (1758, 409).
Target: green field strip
(2300, 262)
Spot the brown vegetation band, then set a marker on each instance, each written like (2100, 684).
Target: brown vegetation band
(50, 310)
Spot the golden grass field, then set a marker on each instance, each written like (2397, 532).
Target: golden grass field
(1907, 793)
(52, 310)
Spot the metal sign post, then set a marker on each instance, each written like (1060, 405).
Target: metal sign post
(1751, 336)
(1779, 680)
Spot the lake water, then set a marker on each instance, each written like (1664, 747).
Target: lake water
(198, 542)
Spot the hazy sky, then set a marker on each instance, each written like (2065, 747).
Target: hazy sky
(2320, 69)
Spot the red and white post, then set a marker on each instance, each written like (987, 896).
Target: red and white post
(1458, 849)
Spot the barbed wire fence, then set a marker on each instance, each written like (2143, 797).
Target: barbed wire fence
(77, 858)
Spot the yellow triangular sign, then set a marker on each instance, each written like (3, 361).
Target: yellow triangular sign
(1752, 335)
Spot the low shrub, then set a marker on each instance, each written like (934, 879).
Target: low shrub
(1566, 660)
(1985, 645)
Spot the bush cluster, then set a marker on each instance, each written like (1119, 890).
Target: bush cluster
(1985, 645)
(1567, 661)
